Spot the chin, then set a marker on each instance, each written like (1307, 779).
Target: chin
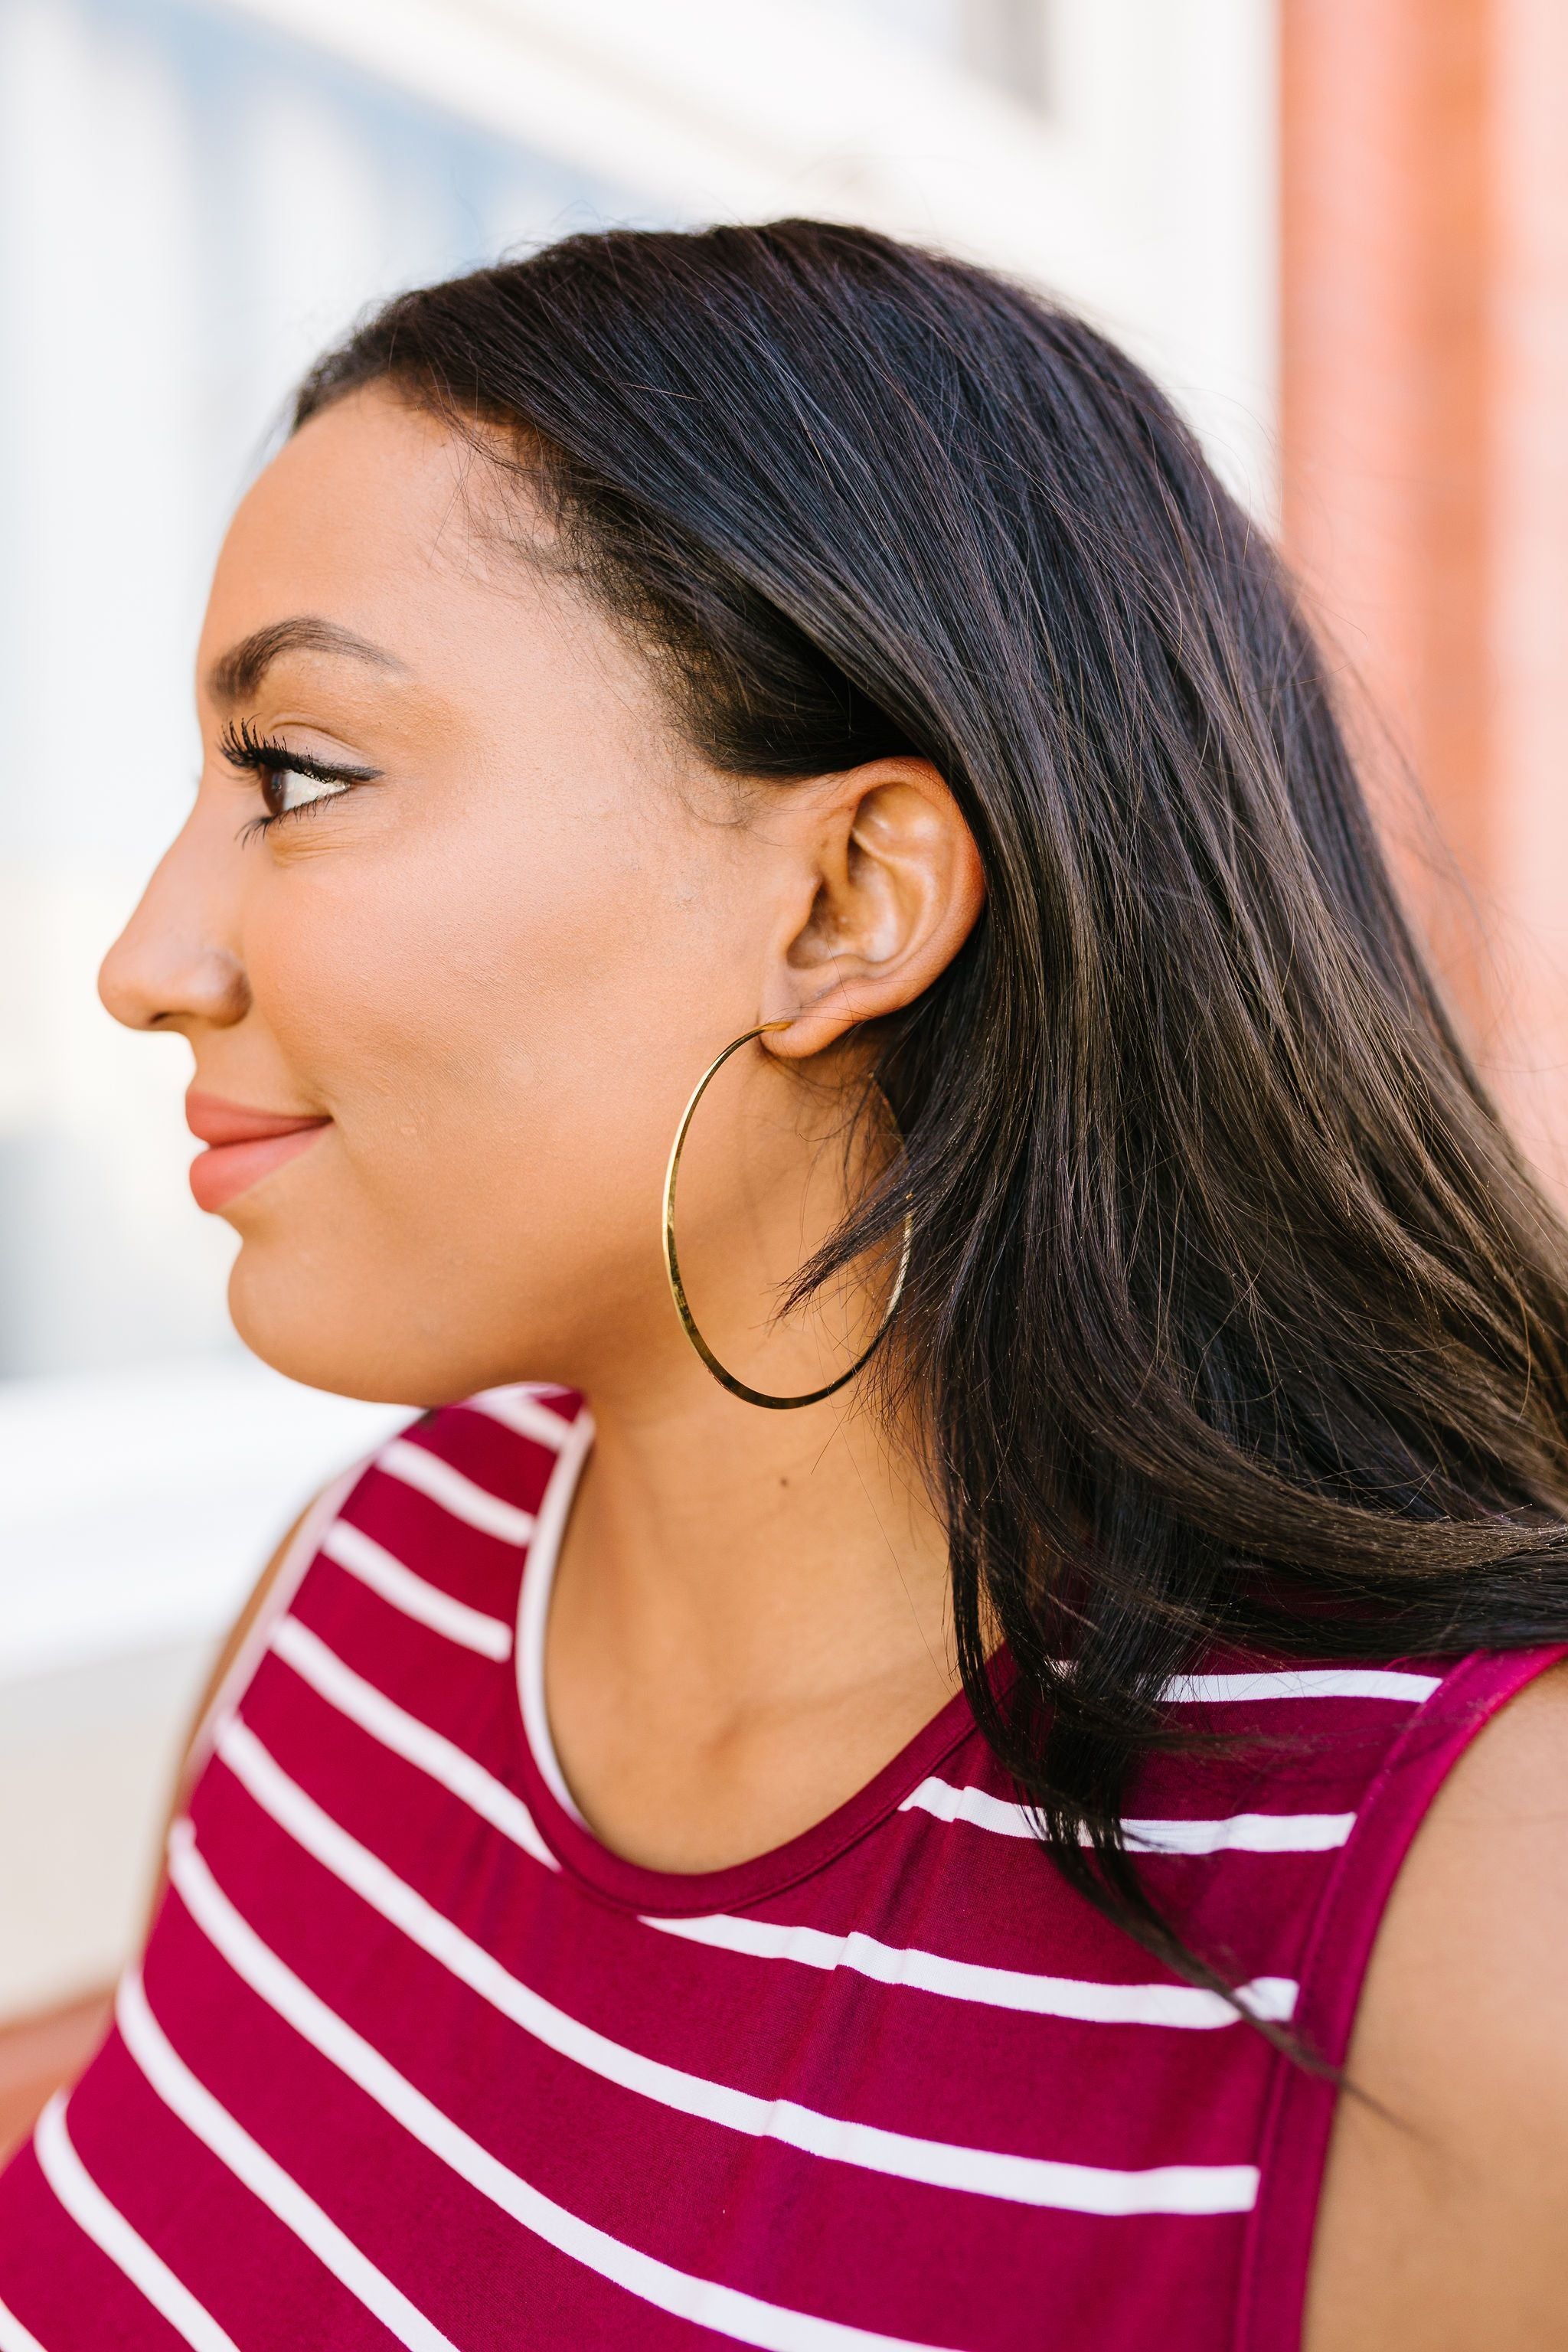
(323, 1336)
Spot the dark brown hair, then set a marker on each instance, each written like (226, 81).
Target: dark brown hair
(1235, 1317)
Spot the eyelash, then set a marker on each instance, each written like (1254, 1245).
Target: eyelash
(243, 748)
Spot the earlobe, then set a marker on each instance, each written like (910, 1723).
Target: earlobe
(899, 887)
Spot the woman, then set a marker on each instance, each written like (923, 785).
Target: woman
(863, 1810)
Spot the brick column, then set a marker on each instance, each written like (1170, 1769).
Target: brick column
(1424, 472)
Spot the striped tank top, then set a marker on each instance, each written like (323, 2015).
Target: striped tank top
(412, 2059)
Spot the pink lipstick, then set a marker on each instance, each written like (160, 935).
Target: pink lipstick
(243, 1145)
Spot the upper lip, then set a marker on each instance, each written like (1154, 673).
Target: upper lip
(210, 1120)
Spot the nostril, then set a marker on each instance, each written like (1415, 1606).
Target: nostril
(164, 985)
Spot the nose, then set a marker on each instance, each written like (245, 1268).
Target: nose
(175, 965)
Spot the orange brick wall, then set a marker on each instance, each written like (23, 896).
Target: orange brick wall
(1425, 469)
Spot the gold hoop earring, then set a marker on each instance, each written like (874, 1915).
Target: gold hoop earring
(725, 1378)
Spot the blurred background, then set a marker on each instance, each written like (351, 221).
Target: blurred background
(1337, 230)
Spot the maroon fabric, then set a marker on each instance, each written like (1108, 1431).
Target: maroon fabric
(412, 2058)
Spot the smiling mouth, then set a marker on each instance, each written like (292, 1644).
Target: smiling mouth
(242, 1145)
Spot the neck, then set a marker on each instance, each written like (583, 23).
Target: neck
(751, 1618)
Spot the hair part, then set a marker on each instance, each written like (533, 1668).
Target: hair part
(1237, 1322)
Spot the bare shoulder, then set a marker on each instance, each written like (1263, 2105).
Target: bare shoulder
(1444, 2221)
(234, 1642)
(239, 1633)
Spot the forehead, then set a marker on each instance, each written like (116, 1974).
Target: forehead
(377, 523)
(385, 525)
(372, 510)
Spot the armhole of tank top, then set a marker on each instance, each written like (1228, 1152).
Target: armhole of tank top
(302, 1549)
(1299, 2120)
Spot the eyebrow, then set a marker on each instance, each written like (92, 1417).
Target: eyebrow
(237, 673)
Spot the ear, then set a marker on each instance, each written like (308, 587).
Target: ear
(890, 888)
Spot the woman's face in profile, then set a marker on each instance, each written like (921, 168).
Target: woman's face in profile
(487, 933)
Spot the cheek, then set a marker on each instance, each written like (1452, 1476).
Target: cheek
(488, 1022)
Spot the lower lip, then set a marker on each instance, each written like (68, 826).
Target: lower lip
(224, 1170)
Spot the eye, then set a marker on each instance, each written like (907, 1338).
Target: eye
(285, 789)
(289, 782)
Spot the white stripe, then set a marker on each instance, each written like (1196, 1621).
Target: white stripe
(1089, 2001)
(974, 1805)
(97, 2219)
(1242, 1834)
(415, 1742)
(521, 1412)
(534, 1609)
(474, 1505)
(702, 2302)
(213, 2124)
(364, 1558)
(14, 2336)
(1025, 2179)
(1237, 1832)
(1314, 1682)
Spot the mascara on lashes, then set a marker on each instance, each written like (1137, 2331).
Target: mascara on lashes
(264, 757)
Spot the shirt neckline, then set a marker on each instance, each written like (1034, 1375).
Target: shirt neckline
(679, 1894)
